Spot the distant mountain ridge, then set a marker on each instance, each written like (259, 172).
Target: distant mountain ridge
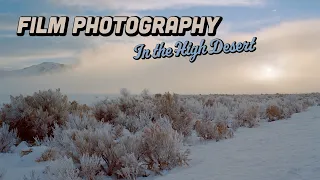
(35, 70)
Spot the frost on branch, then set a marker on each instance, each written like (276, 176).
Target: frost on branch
(106, 110)
(90, 166)
(81, 122)
(134, 123)
(170, 106)
(80, 109)
(34, 116)
(131, 168)
(62, 169)
(207, 113)
(215, 122)
(7, 138)
(99, 150)
(161, 147)
(247, 115)
(136, 135)
(205, 129)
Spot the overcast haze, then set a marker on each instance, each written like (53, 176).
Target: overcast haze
(286, 59)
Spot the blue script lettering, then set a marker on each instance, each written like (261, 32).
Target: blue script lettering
(181, 48)
(219, 46)
(142, 53)
(161, 52)
(188, 49)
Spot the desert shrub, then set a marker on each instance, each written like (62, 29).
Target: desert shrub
(209, 101)
(76, 108)
(127, 103)
(222, 130)
(284, 107)
(7, 138)
(134, 123)
(138, 113)
(77, 142)
(81, 122)
(145, 94)
(90, 166)
(129, 160)
(161, 147)
(34, 116)
(221, 113)
(215, 122)
(106, 110)
(62, 169)
(216, 112)
(102, 149)
(226, 101)
(307, 102)
(132, 112)
(194, 106)
(205, 129)
(273, 113)
(247, 115)
(207, 113)
(145, 105)
(290, 105)
(131, 167)
(210, 130)
(158, 95)
(181, 120)
(262, 110)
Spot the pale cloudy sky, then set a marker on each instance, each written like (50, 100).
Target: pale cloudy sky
(286, 59)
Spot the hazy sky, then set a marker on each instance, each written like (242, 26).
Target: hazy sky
(286, 59)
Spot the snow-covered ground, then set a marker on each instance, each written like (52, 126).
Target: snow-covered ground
(282, 150)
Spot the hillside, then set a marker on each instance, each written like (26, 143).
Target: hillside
(36, 70)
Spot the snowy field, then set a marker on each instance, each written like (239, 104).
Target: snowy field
(281, 150)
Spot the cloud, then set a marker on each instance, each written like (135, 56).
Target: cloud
(129, 5)
(8, 22)
(286, 61)
(19, 50)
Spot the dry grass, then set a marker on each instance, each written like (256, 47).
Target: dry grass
(48, 155)
(26, 152)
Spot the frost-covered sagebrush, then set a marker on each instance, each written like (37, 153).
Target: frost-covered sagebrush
(34, 116)
(135, 135)
(247, 115)
(161, 147)
(99, 149)
(7, 138)
(170, 106)
(62, 169)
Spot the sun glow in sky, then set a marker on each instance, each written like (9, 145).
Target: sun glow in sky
(268, 73)
(264, 73)
(286, 57)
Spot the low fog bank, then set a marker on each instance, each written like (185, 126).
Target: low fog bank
(286, 61)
